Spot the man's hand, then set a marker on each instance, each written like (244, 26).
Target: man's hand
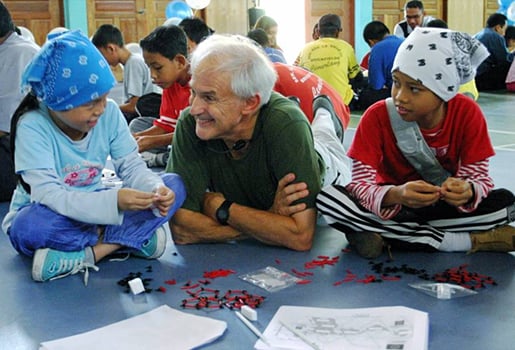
(145, 142)
(153, 137)
(288, 192)
(456, 192)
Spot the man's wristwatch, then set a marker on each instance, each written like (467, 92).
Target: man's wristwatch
(222, 213)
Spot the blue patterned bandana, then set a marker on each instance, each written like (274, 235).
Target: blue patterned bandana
(68, 72)
(440, 59)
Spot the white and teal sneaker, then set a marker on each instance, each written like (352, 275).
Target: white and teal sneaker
(49, 264)
(155, 246)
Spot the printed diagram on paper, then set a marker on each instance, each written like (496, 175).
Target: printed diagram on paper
(366, 328)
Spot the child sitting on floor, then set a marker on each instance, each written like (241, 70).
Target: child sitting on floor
(388, 201)
(137, 82)
(165, 52)
(64, 131)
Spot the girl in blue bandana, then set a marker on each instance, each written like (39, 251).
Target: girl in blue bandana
(63, 132)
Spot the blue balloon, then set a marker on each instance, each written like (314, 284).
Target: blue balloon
(178, 9)
(504, 4)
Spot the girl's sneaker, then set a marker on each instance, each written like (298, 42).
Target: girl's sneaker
(49, 264)
(155, 246)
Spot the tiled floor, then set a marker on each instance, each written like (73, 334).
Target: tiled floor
(499, 109)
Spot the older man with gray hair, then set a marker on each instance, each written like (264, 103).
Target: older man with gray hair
(251, 162)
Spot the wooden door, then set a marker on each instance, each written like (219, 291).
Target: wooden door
(135, 18)
(39, 16)
(227, 16)
(128, 16)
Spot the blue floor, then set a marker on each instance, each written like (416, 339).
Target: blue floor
(31, 312)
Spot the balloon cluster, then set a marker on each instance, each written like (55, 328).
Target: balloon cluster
(177, 10)
(507, 8)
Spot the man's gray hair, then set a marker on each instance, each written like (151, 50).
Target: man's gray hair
(251, 71)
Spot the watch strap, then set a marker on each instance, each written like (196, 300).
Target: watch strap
(222, 213)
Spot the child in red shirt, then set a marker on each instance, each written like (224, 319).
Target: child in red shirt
(388, 202)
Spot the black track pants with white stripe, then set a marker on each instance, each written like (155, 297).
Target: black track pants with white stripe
(422, 228)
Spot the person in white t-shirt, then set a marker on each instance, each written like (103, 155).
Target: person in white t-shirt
(15, 53)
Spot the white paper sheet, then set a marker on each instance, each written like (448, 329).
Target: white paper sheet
(161, 328)
(395, 327)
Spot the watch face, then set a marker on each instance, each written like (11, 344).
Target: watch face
(222, 213)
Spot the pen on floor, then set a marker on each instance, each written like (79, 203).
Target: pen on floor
(252, 328)
(300, 335)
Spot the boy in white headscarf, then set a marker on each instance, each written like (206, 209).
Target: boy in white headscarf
(389, 202)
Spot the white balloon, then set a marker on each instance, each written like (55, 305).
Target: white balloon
(510, 12)
(172, 21)
(27, 34)
(198, 4)
(57, 30)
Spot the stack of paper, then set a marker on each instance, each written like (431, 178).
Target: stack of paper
(161, 328)
(396, 327)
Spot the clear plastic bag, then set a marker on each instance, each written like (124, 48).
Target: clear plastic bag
(270, 279)
(443, 290)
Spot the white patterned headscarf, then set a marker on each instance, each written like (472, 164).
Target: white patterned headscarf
(68, 72)
(440, 59)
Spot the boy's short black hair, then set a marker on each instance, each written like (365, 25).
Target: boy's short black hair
(196, 29)
(169, 41)
(510, 33)
(414, 4)
(496, 19)
(107, 34)
(6, 21)
(329, 25)
(375, 30)
(437, 23)
(259, 36)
